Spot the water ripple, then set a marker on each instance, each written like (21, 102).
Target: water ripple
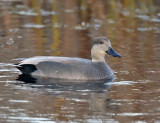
(32, 25)
(32, 119)
(29, 12)
(18, 101)
(121, 83)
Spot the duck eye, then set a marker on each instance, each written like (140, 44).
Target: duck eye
(101, 42)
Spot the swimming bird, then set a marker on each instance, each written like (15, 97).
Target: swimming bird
(73, 68)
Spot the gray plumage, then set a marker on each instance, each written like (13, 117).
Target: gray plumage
(70, 67)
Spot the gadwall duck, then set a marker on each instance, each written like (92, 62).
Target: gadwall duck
(70, 67)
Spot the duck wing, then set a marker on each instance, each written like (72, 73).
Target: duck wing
(50, 65)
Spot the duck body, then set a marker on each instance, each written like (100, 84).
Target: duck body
(65, 68)
(70, 67)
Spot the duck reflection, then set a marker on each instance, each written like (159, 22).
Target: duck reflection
(70, 100)
(62, 84)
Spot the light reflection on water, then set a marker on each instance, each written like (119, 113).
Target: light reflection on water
(50, 27)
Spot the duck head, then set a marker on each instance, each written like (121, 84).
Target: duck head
(100, 47)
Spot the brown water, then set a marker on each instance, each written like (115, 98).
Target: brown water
(65, 28)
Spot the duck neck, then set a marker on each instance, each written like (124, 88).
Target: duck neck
(97, 56)
(96, 59)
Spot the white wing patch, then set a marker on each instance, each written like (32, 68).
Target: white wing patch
(38, 59)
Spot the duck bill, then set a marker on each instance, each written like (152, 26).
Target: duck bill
(113, 53)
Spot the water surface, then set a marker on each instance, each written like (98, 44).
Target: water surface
(65, 28)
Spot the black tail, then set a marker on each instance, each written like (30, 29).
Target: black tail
(27, 78)
(26, 68)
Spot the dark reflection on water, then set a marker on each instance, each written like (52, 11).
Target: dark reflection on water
(64, 85)
(65, 28)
